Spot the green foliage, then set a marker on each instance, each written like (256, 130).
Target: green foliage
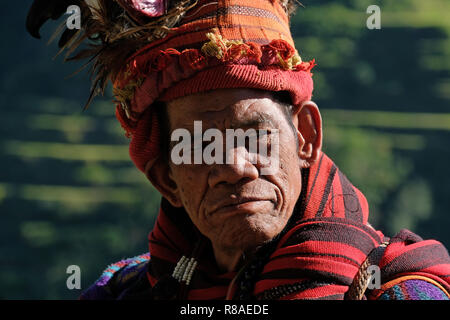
(414, 203)
(376, 175)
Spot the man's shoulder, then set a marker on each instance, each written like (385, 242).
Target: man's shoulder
(119, 279)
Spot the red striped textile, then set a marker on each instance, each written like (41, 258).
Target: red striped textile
(316, 259)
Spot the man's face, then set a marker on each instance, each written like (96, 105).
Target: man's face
(234, 205)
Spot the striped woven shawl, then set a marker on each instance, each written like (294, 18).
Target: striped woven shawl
(316, 258)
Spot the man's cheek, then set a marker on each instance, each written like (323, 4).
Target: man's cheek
(191, 190)
(184, 174)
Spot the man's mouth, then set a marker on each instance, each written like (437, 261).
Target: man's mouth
(245, 205)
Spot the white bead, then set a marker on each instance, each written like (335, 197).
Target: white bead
(184, 269)
(189, 271)
(180, 268)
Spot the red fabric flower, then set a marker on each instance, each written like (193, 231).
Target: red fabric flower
(306, 66)
(269, 55)
(143, 64)
(272, 52)
(245, 53)
(283, 48)
(238, 52)
(192, 59)
(164, 58)
(254, 52)
(150, 62)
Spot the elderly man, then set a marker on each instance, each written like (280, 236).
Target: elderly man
(228, 228)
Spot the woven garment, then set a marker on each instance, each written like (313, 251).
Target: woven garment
(413, 288)
(120, 280)
(316, 259)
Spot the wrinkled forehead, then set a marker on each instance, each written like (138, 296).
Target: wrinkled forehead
(231, 108)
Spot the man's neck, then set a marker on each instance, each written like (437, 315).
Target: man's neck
(228, 260)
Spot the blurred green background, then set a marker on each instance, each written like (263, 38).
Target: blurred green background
(69, 194)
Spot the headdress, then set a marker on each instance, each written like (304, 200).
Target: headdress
(161, 50)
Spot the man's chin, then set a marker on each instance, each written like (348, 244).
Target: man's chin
(247, 232)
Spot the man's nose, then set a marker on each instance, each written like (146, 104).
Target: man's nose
(237, 166)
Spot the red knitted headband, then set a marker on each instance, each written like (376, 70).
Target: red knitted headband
(169, 74)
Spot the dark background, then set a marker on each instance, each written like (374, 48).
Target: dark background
(70, 195)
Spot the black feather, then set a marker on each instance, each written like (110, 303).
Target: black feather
(66, 37)
(43, 10)
(108, 34)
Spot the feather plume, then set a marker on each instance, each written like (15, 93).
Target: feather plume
(111, 31)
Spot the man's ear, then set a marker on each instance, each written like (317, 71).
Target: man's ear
(308, 121)
(159, 173)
